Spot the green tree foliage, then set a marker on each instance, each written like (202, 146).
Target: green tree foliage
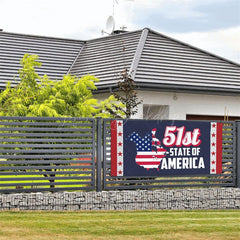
(37, 96)
(42, 97)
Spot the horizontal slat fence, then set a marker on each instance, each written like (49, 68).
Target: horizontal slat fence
(46, 154)
(59, 154)
(227, 178)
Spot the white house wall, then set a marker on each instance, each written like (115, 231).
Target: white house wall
(183, 104)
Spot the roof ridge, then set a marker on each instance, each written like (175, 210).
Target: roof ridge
(74, 61)
(40, 36)
(114, 35)
(138, 53)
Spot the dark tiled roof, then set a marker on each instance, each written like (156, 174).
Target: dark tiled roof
(168, 63)
(106, 57)
(56, 55)
(154, 60)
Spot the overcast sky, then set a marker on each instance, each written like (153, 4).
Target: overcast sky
(213, 25)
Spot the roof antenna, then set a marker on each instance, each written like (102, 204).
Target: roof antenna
(114, 6)
(110, 26)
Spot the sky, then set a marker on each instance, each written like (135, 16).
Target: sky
(211, 25)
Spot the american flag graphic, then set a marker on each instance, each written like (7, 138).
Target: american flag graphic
(149, 150)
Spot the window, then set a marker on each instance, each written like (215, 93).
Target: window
(156, 112)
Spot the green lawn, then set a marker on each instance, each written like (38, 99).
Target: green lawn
(187, 225)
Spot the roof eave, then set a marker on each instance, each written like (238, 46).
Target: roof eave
(188, 89)
(109, 88)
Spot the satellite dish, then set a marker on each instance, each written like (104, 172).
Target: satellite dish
(110, 24)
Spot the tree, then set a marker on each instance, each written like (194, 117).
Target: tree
(40, 96)
(128, 95)
(37, 96)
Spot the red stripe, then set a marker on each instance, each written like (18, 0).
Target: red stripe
(148, 163)
(219, 148)
(114, 148)
(150, 156)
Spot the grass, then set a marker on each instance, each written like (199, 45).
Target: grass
(137, 225)
(30, 180)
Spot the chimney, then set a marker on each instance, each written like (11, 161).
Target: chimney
(121, 30)
(115, 32)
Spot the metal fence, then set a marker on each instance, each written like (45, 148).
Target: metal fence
(46, 154)
(74, 154)
(227, 178)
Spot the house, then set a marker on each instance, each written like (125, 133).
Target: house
(175, 80)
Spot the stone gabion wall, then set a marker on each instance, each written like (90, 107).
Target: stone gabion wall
(212, 198)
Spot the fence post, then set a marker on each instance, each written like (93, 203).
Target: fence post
(99, 155)
(238, 153)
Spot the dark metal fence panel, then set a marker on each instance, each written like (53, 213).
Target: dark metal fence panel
(46, 154)
(238, 153)
(99, 156)
(227, 178)
(229, 159)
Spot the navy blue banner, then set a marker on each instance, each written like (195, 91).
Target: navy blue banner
(161, 148)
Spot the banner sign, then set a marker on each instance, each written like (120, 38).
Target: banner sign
(164, 148)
